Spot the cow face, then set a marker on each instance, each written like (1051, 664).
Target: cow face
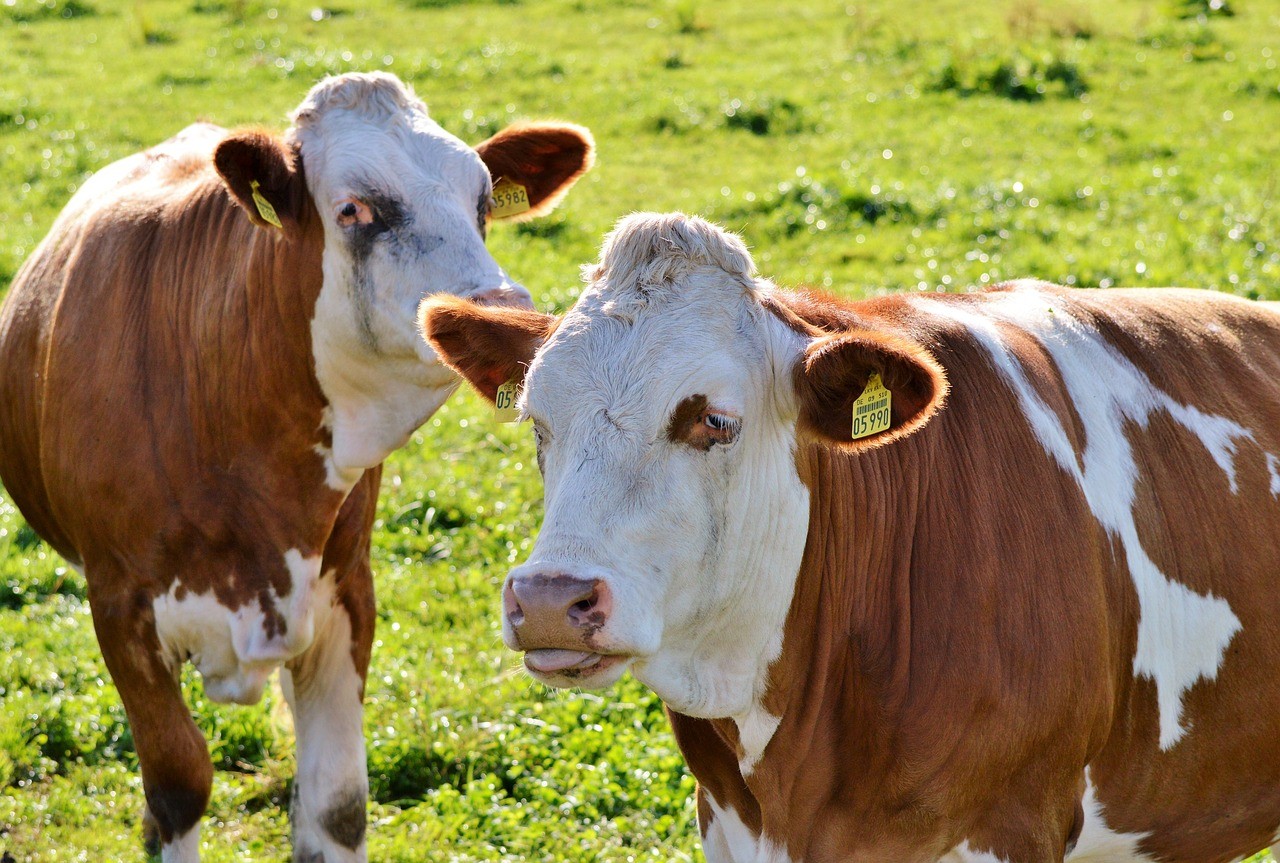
(404, 207)
(668, 406)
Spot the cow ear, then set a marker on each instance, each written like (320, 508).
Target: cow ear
(259, 171)
(859, 390)
(545, 158)
(487, 345)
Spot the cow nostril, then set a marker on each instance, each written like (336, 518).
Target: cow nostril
(511, 606)
(585, 604)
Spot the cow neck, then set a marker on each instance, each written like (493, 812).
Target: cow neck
(843, 671)
(245, 407)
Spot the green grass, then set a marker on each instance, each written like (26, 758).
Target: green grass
(868, 147)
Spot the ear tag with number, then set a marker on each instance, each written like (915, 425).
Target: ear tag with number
(509, 199)
(265, 210)
(504, 403)
(871, 409)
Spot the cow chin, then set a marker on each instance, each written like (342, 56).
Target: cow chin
(566, 669)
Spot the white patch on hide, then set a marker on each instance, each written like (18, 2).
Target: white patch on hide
(729, 840)
(1182, 635)
(231, 649)
(755, 729)
(184, 848)
(1098, 843)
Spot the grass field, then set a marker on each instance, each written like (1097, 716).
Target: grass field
(864, 146)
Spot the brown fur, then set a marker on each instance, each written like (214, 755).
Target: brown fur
(545, 158)
(487, 346)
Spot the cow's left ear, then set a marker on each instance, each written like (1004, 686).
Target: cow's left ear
(861, 389)
(487, 345)
(259, 171)
(545, 158)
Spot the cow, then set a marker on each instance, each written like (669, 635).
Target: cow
(205, 364)
(976, 577)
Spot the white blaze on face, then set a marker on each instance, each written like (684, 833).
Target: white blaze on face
(1182, 635)
(403, 205)
(699, 547)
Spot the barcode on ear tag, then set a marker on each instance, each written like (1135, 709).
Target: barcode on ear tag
(871, 409)
(509, 199)
(265, 210)
(504, 403)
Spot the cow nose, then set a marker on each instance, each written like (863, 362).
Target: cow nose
(555, 609)
(504, 295)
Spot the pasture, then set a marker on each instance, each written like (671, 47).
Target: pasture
(865, 147)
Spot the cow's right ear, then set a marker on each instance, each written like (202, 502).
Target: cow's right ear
(487, 345)
(862, 389)
(259, 171)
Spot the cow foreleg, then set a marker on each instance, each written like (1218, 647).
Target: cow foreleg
(325, 689)
(177, 774)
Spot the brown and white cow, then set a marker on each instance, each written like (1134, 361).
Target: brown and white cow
(204, 365)
(1036, 617)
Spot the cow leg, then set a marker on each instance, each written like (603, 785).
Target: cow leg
(177, 774)
(325, 690)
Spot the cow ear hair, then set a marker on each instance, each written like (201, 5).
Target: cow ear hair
(836, 369)
(489, 346)
(545, 158)
(259, 171)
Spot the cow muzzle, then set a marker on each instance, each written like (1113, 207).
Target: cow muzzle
(504, 295)
(555, 618)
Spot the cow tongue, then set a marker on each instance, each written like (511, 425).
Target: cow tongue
(549, 661)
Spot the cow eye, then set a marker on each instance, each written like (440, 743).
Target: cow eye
(718, 428)
(353, 211)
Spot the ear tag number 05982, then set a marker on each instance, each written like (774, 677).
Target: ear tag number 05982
(871, 409)
(509, 199)
(504, 403)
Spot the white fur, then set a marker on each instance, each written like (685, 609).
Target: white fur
(184, 848)
(1182, 635)
(699, 549)
(368, 133)
(729, 840)
(231, 649)
(1097, 842)
(755, 729)
(962, 853)
(330, 733)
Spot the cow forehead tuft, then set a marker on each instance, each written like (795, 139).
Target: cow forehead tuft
(377, 94)
(650, 258)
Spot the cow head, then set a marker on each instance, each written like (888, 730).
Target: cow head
(405, 207)
(668, 405)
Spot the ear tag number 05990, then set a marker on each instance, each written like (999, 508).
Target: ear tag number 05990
(504, 403)
(871, 409)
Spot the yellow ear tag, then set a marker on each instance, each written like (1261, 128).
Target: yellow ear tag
(504, 403)
(265, 210)
(871, 409)
(509, 199)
